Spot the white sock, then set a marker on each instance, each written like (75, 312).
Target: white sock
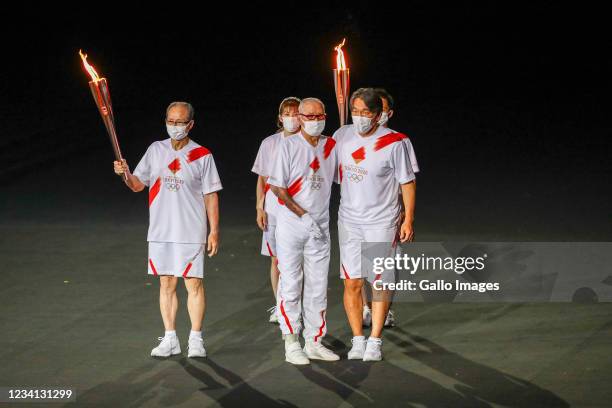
(290, 338)
(170, 333)
(196, 334)
(359, 338)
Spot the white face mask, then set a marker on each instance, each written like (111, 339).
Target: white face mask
(314, 127)
(290, 124)
(384, 118)
(362, 124)
(177, 132)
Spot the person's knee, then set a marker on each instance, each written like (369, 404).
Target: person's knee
(353, 286)
(167, 285)
(194, 286)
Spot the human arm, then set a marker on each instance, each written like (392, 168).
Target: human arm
(211, 202)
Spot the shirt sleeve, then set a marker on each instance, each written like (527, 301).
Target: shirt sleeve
(279, 176)
(400, 161)
(210, 177)
(338, 164)
(143, 169)
(259, 167)
(412, 155)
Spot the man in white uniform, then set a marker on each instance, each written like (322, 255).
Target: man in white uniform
(387, 113)
(183, 184)
(302, 178)
(372, 162)
(267, 203)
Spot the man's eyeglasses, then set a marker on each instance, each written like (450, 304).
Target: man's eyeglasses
(321, 116)
(177, 122)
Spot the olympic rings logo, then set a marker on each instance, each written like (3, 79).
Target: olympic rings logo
(173, 186)
(315, 185)
(354, 177)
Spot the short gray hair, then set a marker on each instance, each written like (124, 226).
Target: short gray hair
(310, 100)
(186, 105)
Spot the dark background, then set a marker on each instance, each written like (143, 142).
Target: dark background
(506, 105)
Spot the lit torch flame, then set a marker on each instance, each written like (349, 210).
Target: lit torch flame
(92, 72)
(340, 62)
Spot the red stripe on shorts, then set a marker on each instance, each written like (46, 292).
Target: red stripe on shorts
(282, 308)
(269, 249)
(153, 267)
(187, 269)
(346, 275)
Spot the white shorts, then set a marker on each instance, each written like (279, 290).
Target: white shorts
(268, 241)
(350, 239)
(180, 260)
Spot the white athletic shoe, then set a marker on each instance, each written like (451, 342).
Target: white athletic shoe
(359, 347)
(367, 316)
(168, 346)
(196, 347)
(373, 351)
(295, 355)
(317, 351)
(390, 320)
(273, 316)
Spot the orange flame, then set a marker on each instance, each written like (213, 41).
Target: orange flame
(92, 72)
(340, 62)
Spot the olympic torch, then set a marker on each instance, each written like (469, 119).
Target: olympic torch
(341, 83)
(101, 95)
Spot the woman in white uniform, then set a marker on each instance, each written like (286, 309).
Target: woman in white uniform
(267, 203)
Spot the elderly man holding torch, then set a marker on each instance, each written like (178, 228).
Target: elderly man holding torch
(372, 162)
(302, 178)
(183, 184)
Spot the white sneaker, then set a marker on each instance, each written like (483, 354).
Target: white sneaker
(196, 347)
(294, 354)
(168, 346)
(390, 320)
(367, 316)
(373, 351)
(273, 316)
(317, 351)
(359, 346)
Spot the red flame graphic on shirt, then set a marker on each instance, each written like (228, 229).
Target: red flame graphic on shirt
(315, 164)
(359, 155)
(175, 165)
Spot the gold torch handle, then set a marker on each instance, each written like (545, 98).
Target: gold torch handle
(342, 86)
(101, 95)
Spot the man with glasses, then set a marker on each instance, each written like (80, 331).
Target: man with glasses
(301, 179)
(372, 162)
(183, 184)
